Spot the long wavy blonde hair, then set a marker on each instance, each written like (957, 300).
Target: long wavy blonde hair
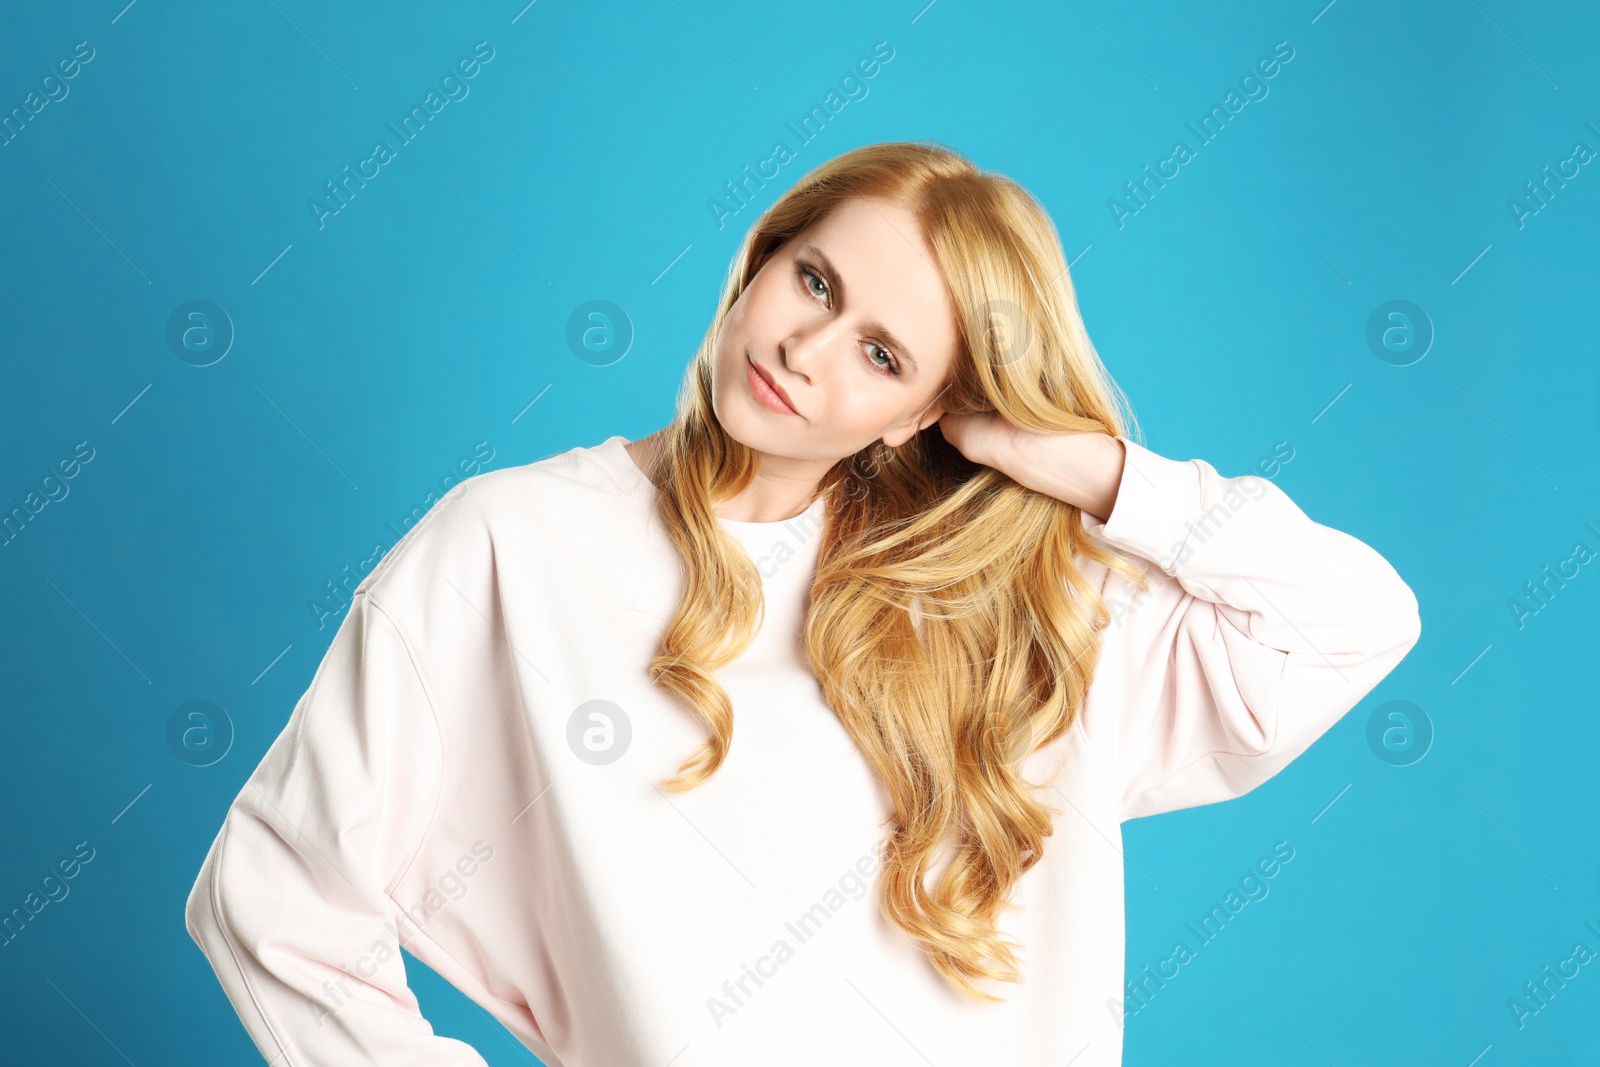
(950, 627)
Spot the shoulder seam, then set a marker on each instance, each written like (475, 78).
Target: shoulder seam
(214, 900)
(433, 713)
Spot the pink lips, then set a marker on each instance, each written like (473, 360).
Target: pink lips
(768, 392)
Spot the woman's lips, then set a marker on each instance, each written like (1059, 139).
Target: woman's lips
(765, 391)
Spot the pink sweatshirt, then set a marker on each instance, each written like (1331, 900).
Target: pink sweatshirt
(470, 775)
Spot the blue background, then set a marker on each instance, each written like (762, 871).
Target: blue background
(431, 313)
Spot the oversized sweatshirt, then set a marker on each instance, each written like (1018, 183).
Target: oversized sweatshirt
(472, 773)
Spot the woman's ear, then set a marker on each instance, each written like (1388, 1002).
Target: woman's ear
(927, 417)
(930, 415)
(933, 412)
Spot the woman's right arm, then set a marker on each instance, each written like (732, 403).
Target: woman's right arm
(292, 904)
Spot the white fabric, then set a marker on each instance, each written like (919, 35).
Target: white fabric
(427, 791)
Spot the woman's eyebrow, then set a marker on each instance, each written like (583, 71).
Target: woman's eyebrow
(876, 327)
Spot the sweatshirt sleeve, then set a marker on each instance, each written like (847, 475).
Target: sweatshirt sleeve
(292, 904)
(1260, 629)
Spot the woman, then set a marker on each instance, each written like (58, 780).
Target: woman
(795, 732)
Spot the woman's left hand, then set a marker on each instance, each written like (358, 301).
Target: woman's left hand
(983, 437)
(1081, 468)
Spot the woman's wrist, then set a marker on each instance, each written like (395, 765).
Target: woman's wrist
(1083, 469)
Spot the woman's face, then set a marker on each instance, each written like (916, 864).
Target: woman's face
(852, 322)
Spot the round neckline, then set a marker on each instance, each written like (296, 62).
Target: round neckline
(636, 476)
(758, 527)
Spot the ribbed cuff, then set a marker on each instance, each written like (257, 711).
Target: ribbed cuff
(1157, 501)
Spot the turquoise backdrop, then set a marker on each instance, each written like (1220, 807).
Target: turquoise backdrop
(243, 346)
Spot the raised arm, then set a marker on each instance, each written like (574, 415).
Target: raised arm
(1259, 630)
(292, 905)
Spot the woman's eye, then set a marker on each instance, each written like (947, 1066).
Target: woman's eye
(892, 366)
(808, 275)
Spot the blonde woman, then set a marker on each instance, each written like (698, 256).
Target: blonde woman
(801, 730)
